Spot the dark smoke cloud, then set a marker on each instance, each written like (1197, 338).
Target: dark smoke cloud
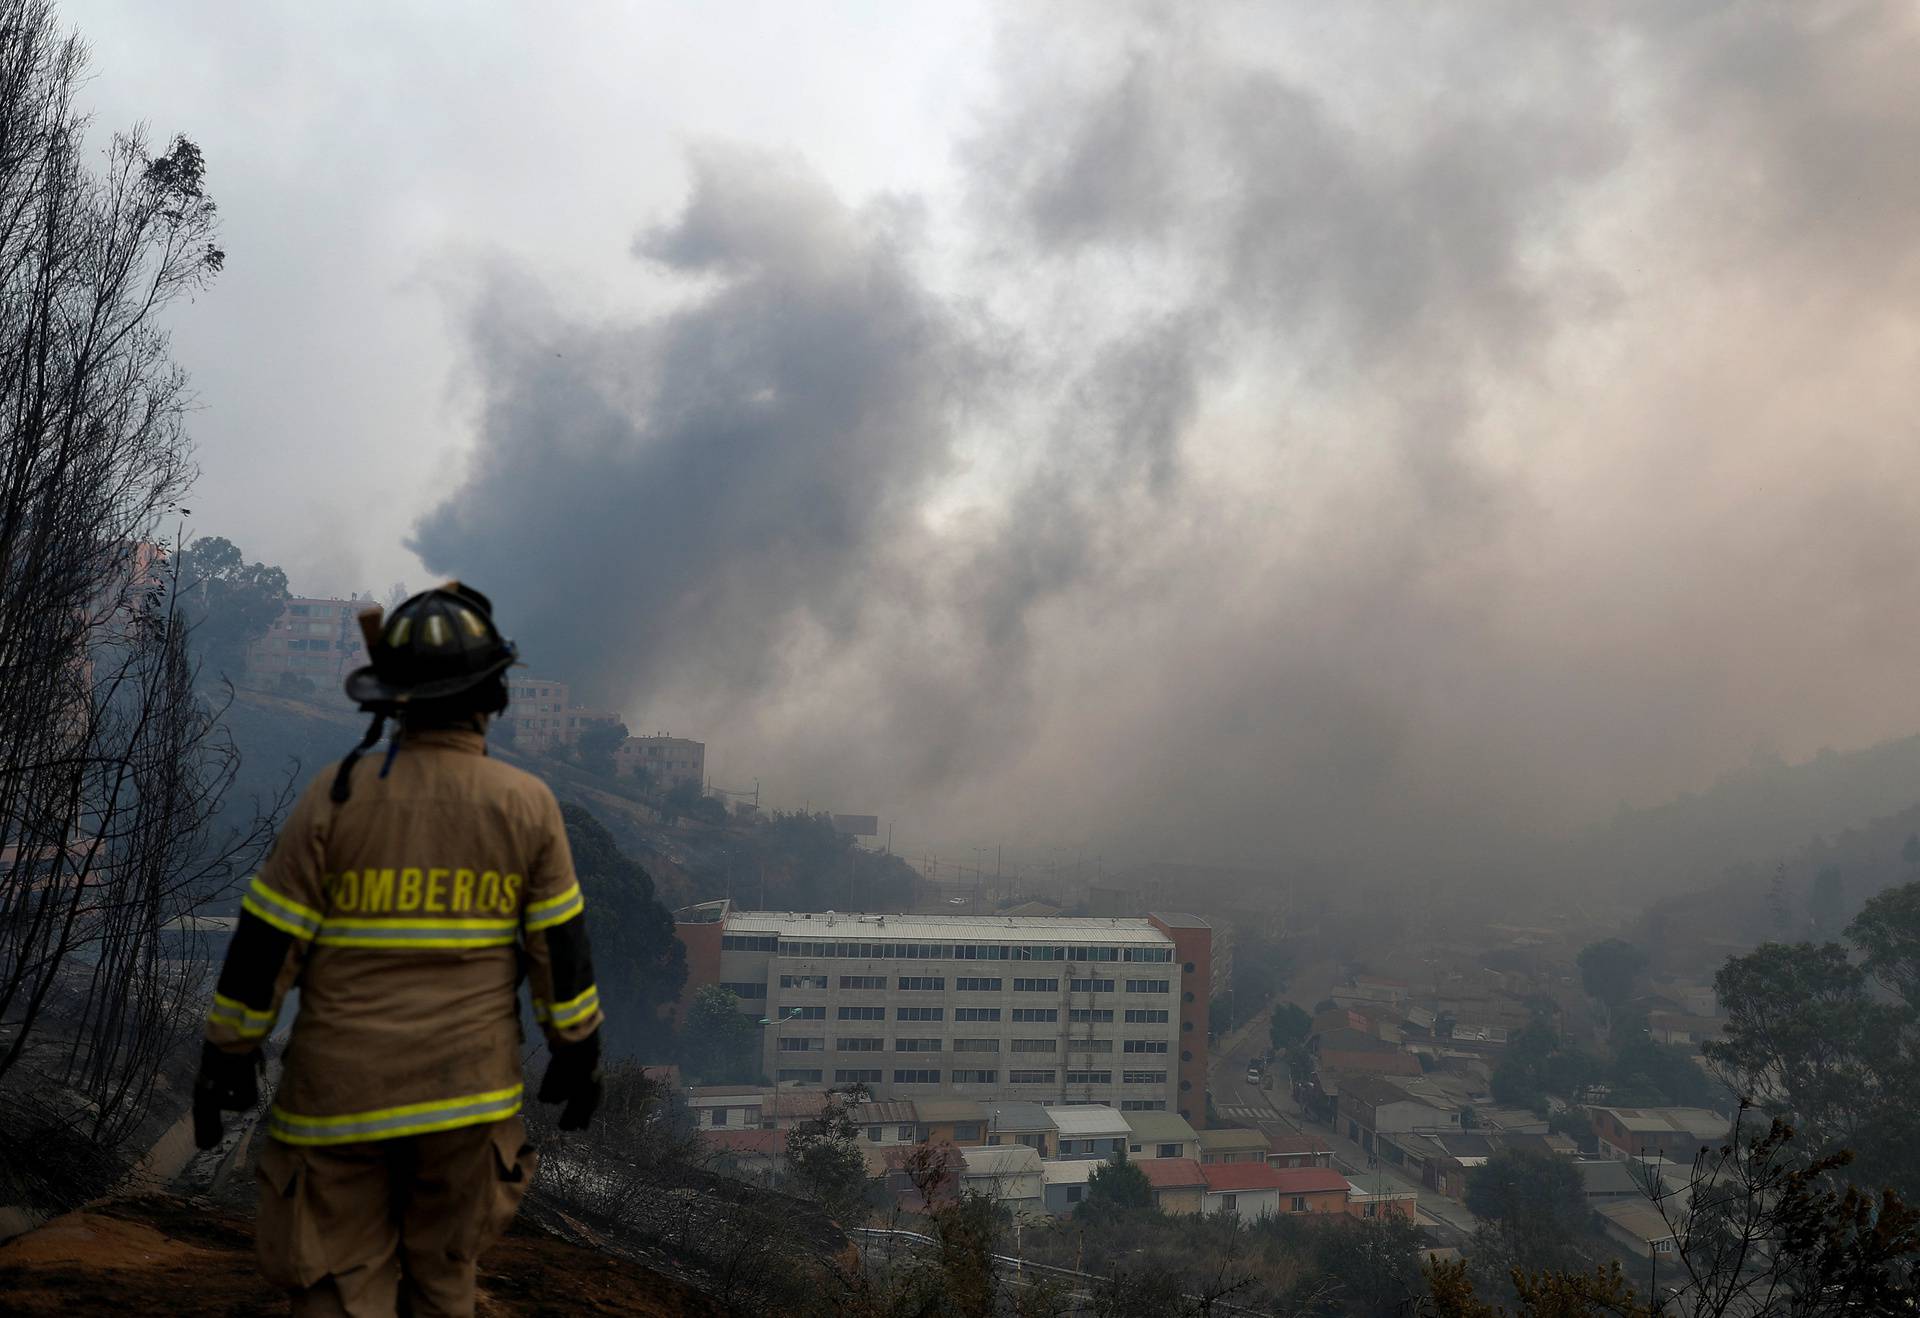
(1354, 443)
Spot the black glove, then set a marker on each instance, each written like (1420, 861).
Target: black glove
(225, 1084)
(573, 1078)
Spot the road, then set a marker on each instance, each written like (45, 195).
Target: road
(1238, 1102)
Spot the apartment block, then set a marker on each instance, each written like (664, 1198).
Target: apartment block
(666, 760)
(318, 639)
(1055, 1011)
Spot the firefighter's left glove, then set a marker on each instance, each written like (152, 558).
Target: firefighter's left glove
(573, 1078)
(226, 1083)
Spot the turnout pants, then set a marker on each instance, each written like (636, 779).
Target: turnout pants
(363, 1229)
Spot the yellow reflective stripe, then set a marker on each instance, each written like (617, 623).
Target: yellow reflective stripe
(575, 1010)
(555, 910)
(392, 1122)
(389, 921)
(234, 1004)
(242, 1019)
(261, 911)
(279, 911)
(444, 938)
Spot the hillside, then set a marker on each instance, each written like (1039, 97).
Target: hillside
(1756, 817)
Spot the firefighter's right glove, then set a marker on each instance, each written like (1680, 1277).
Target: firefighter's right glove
(226, 1083)
(573, 1078)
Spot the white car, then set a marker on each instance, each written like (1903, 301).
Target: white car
(956, 901)
(1253, 1075)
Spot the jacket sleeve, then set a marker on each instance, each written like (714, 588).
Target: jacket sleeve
(553, 931)
(280, 912)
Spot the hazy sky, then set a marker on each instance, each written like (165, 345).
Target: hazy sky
(1321, 434)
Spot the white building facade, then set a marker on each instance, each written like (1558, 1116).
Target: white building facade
(1047, 1010)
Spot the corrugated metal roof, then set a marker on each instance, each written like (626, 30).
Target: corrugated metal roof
(1000, 1160)
(1087, 1121)
(1072, 1171)
(1022, 1117)
(945, 928)
(1171, 1173)
(1158, 1127)
(1231, 1139)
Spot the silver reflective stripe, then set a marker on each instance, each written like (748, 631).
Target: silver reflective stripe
(560, 914)
(432, 1116)
(414, 933)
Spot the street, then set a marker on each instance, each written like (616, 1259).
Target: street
(1239, 1103)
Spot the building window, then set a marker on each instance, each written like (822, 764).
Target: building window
(920, 1013)
(748, 943)
(1143, 1105)
(863, 981)
(874, 1133)
(1090, 985)
(1074, 1193)
(857, 1077)
(803, 981)
(1091, 1015)
(1144, 1046)
(746, 990)
(966, 1130)
(1166, 1150)
(1229, 1203)
(1089, 1077)
(976, 1077)
(790, 1045)
(1033, 1045)
(934, 983)
(1031, 1077)
(1090, 1045)
(1036, 986)
(863, 1013)
(1151, 954)
(966, 985)
(976, 1013)
(1036, 1015)
(1146, 1016)
(916, 1078)
(1370, 1210)
(916, 1045)
(1143, 1077)
(1148, 986)
(719, 1115)
(804, 1014)
(799, 1075)
(1299, 1203)
(860, 1045)
(976, 1045)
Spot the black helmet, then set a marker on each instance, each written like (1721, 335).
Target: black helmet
(435, 645)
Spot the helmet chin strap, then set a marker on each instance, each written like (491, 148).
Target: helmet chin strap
(343, 778)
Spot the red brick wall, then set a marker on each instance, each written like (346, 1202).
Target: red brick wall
(703, 962)
(1192, 947)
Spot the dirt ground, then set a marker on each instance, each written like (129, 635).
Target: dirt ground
(161, 1255)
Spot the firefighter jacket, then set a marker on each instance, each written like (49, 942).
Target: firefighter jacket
(404, 915)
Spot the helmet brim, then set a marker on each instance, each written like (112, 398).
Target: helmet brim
(366, 688)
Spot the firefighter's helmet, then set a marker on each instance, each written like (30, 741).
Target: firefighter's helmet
(434, 646)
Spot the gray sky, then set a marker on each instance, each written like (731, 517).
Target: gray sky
(1336, 435)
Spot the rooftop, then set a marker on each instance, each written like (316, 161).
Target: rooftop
(1307, 1180)
(1000, 1160)
(1087, 1121)
(1231, 1139)
(1158, 1127)
(1661, 1120)
(1071, 1171)
(1171, 1173)
(949, 1109)
(964, 928)
(883, 1112)
(1286, 1144)
(1638, 1218)
(1017, 1116)
(1228, 1177)
(1180, 920)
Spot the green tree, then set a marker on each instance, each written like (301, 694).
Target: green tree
(1374, 1263)
(639, 960)
(231, 602)
(1532, 1209)
(1827, 900)
(719, 1044)
(825, 1162)
(593, 749)
(1668, 1070)
(1608, 970)
(1289, 1028)
(1887, 932)
(1115, 1189)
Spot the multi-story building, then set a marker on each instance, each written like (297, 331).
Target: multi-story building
(666, 760)
(1050, 1010)
(318, 639)
(536, 713)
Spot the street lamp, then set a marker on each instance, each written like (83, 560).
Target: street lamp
(780, 1018)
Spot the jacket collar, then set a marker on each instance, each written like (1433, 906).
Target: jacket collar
(453, 739)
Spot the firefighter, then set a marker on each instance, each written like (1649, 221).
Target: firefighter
(405, 897)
